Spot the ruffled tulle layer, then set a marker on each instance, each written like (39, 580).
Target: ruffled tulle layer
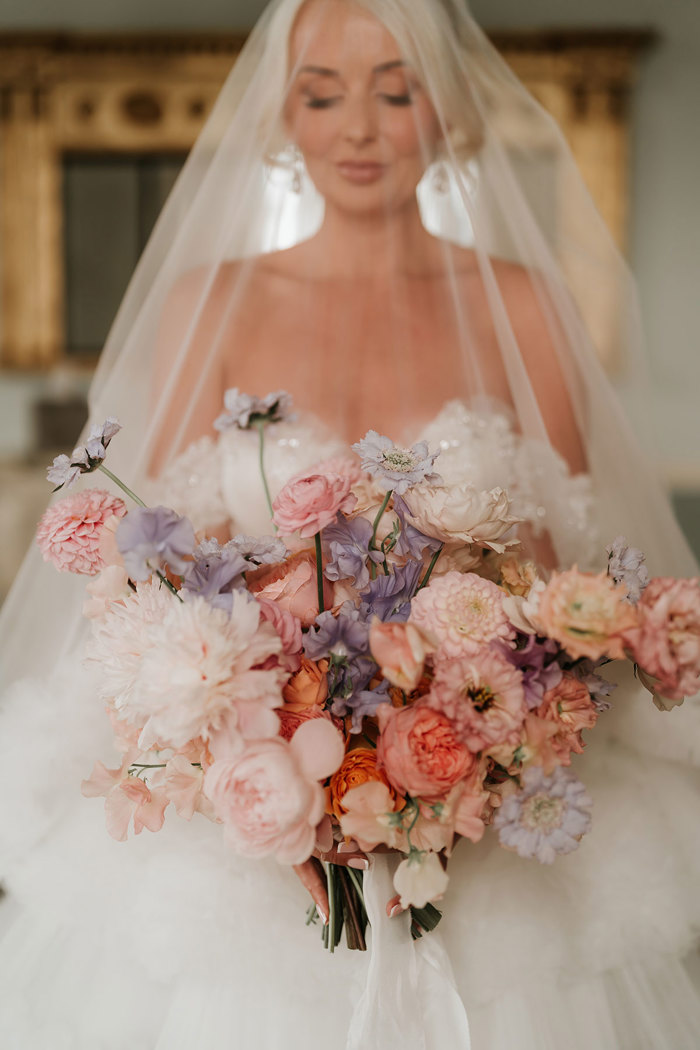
(171, 942)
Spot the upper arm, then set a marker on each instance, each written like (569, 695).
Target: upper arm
(542, 346)
(187, 383)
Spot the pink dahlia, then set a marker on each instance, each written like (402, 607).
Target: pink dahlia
(463, 612)
(483, 696)
(69, 532)
(666, 641)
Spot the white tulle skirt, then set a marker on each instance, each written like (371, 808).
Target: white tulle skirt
(171, 942)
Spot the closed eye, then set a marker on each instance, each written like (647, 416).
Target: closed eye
(321, 103)
(398, 100)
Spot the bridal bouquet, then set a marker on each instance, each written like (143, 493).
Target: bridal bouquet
(381, 673)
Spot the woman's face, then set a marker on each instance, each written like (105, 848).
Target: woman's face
(356, 110)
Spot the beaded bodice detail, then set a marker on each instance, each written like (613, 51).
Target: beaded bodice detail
(214, 482)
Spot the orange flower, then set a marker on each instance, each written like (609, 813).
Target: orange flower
(358, 767)
(308, 687)
(518, 577)
(586, 614)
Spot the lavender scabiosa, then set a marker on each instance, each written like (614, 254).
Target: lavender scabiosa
(547, 817)
(396, 468)
(626, 566)
(155, 535)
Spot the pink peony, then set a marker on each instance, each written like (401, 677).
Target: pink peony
(483, 697)
(586, 614)
(69, 532)
(400, 650)
(292, 585)
(419, 750)
(462, 513)
(666, 640)
(269, 797)
(308, 503)
(462, 612)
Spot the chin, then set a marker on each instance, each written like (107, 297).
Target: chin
(376, 198)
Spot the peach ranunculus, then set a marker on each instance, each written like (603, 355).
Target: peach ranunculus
(462, 513)
(69, 532)
(400, 649)
(586, 613)
(359, 766)
(309, 503)
(518, 577)
(462, 612)
(308, 687)
(292, 585)
(420, 752)
(269, 797)
(666, 641)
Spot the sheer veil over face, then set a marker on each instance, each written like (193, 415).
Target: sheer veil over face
(362, 222)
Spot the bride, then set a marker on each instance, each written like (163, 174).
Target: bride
(360, 224)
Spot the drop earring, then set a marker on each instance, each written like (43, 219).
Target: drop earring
(297, 168)
(441, 178)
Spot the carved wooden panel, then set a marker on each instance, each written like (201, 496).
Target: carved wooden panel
(150, 93)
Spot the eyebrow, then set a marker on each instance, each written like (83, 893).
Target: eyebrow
(323, 71)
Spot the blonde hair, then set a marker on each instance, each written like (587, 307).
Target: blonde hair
(430, 33)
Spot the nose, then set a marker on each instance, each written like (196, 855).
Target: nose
(361, 121)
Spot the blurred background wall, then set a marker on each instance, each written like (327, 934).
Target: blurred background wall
(663, 229)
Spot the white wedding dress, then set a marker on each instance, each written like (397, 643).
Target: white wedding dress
(172, 942)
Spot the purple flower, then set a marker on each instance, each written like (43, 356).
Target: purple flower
(389, 597)
(215, 574)
(348, 542)
(411, 542)
(154, 534)
(260, 550)
(599, 688)
(244, 411)
(548, 816)
(397, 468)
(340, 638)
(362, 703)
(84, 458)
(626, 565)
(537, 659)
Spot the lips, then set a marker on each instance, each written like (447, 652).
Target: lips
(361, 172)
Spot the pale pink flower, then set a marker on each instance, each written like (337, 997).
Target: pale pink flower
(182, 784)
(126, 798)
(112, 585)
(288, 627)
(202, 665)
(69, 531)
(462, 513)
(663, 703)
(483, 697)
(666, 640)
(522, 610)
(419, 879)
(569, 706)
(369, 816)
(122, 636)
(290, 721)
(419, 750)
(400, 649)
(344, 466)
(462, 612)
(587, 614)
(269, 798)
(308, 503)
(292, 585)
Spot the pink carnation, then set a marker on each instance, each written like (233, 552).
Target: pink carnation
(570, 707)
(269, 797)
(666, 642)
(463, 612)
(483, 697)
(69, 532)
(420, 752)
(309, 503)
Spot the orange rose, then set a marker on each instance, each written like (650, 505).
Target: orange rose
(308, 687)
(358, 767)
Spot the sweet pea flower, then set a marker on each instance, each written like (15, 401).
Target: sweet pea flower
(245, 411)
(419, 879)
(150, 536)
(84, 458)
(269, 797)
(126, 798)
